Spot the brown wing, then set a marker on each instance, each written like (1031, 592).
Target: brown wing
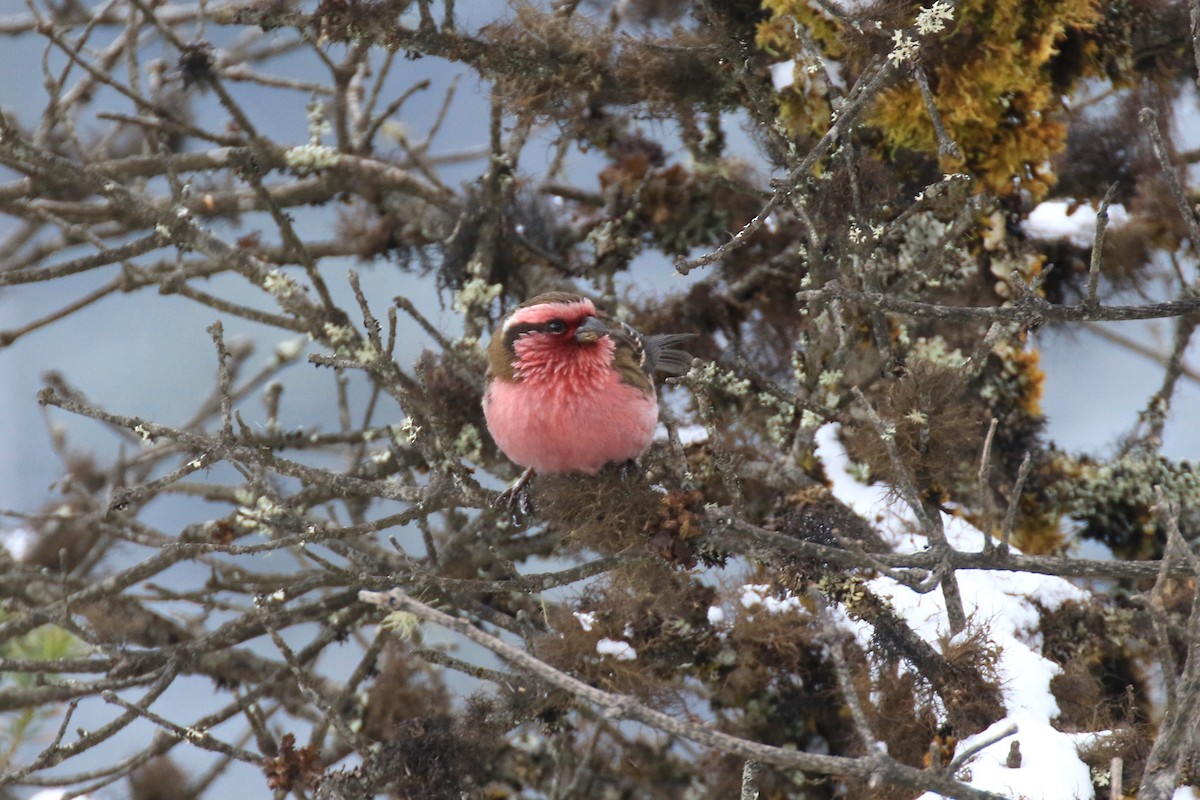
(650, 354)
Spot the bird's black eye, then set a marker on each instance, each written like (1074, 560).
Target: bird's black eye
(556, 326)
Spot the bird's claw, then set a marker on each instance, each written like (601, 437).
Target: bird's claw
(628, 470)
(516, 499)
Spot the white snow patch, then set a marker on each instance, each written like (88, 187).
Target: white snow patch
(1002, 606)
(783, 74)
(691, 434)
(17, 541)
(621, 651)
(1053, 219)
(758, 595)
(1050, 766)
(587, 619)
(834, 71)
(716, 615)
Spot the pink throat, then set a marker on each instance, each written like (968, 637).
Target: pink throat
(563, 367)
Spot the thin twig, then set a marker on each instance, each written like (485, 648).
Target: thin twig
(946, 145)
(966, 753)
(986, 501)
(1014, 504)
(1089, 299)
(750, 772)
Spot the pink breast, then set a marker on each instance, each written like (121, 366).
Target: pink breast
(570, 431)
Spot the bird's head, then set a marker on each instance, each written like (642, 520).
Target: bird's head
(551, 335)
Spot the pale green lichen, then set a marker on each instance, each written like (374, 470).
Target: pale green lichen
(1105, 493)
(281, 285)
(318, 121)
(724, 380)
(855, 233)
(903, 48)
(306, 159)
(403, 623)
(810, 420)
(935, 350)
(260, 517)
(779, 424)
(338, 335)
(799, 371)
(934, 18)
(366, 353)
(476, 294)
(923, 258)
(830, 379)
(917, 417)
(407, 430)
(859, 471)
(469, 444)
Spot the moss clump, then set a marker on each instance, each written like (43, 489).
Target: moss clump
(997, 74)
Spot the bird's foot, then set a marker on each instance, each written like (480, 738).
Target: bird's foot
(516, 500)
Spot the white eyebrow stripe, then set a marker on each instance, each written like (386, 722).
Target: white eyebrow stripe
(565, 309)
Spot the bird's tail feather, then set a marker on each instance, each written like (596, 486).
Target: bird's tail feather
(664, 355)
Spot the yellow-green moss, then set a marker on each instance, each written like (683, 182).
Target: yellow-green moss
(804, 106)
(996, 75)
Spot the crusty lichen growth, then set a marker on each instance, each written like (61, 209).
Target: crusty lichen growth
(1018, 384)
(306, 159)
(677, 207)
(261, 514)
(925, 261)
(1115, 500)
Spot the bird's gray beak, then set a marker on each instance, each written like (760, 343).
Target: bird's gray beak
(590, 330)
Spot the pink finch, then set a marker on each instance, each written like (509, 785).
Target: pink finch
(570, 389)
